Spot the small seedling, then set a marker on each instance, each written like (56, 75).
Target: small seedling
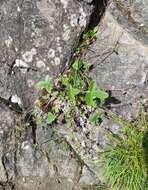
(91, 34)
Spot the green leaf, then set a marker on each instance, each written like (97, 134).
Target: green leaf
(86, 36)
(41, 84)
(39, 120)
(101, 94)
(76, 65)
(50, 118)
(95, 116)
(64, 80)
(34, 112)
(89, 98)
(94, 93)
(72, 92)
(90, 94)
(93, 86)
(47, 84)
(95, 30)
(90, 34)
(85, 66)
(46, 97)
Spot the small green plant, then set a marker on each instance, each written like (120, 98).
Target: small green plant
(74, 89)
(91, 34)
(124, 164)
(87, 38)
(93, 94)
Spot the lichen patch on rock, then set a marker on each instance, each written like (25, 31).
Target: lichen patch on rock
(65, 3)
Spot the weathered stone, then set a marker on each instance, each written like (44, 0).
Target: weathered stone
(7, 144)
(120, 57)
(37, 38)
(3, 177)
(47, 165)
(36, 183)
(88, 178)
(133, 16)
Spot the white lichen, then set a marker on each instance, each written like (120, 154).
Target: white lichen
(65, 3)
(28, 56)
(74, 20)
(66, 33)
(40, 64)
(58, 39)
(30, 83)
(18, 9)
(16, 49)
(51, 53)
(25, 145)
(59, 49)
(20, 63)
(32, 34)
(82, 18)
(1, 132)
(8, 42)
(57, 61)
(33, 51)
(16, 99)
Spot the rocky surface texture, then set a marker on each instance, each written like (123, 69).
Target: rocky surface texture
(36, 37)
(120, 55)
(39, 37)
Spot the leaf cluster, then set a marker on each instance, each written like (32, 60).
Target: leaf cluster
(76, 89)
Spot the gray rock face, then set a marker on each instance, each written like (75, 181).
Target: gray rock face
(38, 37)
(120, 55)
(45, 165)
(7, 144)
(132, 15)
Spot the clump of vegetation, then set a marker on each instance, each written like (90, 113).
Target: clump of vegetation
(124, 164)
(69, 95)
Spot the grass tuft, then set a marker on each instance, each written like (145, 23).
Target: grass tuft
(124, 165)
